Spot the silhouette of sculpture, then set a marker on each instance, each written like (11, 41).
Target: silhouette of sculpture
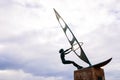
(92, 72)
(64, 61)
(73, 41)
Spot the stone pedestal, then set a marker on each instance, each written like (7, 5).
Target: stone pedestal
(89, 74)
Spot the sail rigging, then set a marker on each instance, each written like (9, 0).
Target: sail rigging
(72, 40)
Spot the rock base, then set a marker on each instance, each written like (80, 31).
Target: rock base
(89, 74)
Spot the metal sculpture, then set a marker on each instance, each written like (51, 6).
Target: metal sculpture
(73, 42)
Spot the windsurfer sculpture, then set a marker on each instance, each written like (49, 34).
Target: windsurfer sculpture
(74, 42)
(64, 61)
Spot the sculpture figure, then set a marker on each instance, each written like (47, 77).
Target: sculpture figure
(64, 61)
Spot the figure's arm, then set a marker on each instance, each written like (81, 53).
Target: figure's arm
(67, 51)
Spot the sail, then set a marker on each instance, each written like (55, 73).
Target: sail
(71, 38)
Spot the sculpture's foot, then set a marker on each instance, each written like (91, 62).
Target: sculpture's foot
(79, 67)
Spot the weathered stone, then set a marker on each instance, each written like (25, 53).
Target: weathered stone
(89, 74)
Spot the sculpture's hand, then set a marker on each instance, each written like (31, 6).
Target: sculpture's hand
(68, 50)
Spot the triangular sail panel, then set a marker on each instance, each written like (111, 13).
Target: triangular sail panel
(72, 40)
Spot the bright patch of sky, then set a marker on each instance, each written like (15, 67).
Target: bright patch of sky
(30, 37)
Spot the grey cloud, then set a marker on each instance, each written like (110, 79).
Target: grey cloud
(33, 5)
(8, 3)
(21, 75)
(112, 75)
(9, 62)
(20, 47)
(20, 38)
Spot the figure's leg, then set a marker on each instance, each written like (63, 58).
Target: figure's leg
(76, 65)
(72, 62)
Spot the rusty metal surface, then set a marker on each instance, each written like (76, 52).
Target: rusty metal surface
(89, 74)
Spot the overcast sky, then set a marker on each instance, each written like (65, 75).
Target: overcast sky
(30, 37)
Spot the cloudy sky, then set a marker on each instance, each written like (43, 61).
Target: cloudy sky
(30, 37)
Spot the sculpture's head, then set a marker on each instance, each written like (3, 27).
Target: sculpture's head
(61, 50)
